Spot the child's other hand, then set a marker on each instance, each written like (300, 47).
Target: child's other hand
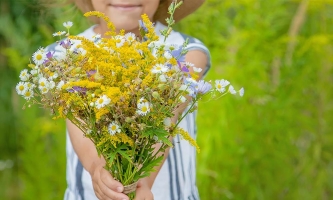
(104, 185)
(143, 191)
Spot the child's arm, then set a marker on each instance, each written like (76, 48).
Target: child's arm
(200, 60)
(105, 186)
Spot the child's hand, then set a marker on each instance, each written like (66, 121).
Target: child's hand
(104, 185)
(143, 191)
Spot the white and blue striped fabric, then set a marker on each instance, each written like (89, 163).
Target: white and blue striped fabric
(177, 177)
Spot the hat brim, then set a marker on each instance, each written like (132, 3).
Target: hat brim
(188, 7)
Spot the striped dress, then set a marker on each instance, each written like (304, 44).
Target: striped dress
(177, 177)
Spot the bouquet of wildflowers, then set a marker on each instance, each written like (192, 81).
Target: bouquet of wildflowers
(121, 91)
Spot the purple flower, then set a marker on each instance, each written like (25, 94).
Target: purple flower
(203, 87)
(185, 69)
(143, 26)
(66, 44)
(91, 72)
(49, 55)
(78, 89)
(178, 54)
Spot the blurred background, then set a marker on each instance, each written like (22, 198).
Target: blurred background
(274, 143)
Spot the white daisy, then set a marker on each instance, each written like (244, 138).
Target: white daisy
(191, 81)
(51, 84)
(171, 47)
(21, 88)
(197, 69)
(130, 37)
(24, 75)
(30, 86)
(221, 84)
(167, 55)
(142, 100)
(102, 101)
(241, 92)
(39, 56)
(43, 90)
(120, 40)
(43, 82)
(113, 128)
(158, 68)
(34, 72)
(28, 94)
(143, 108)
(54, 76)
(188, 64)
(182, 98)
(232, 90)
(68, 24)
(167, 122)
(162, 78)
(60, 84)
(59, 33)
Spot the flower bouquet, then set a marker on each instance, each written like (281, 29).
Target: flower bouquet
(121, 91)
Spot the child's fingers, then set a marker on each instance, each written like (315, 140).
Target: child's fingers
(109, 181)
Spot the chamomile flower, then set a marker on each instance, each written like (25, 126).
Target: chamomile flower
(28, 94)
(120, 40)
(241, 92)
(188, 64)
(197, 69)
(51, 84)
(171, 47)
(68, 24)
(142, 100)
(43, 90)
(43, 82)
(102, 101)
(167, 55)
(39, 56)
(34, 72)
(221, 84)
(60, 84)
(59, 33)
(182, 98)
(143, 108)
(113, 128)
(167, 122)
(130, 37)
(162, 78)
(30, 86)
(24, 75)
(159, 68)
(21, 88)
(232, 90)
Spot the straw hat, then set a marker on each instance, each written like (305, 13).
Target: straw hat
(188, 7)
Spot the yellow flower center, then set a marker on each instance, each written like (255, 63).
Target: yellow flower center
(144, 109)
(100, 101)
(21, 88)
(219, 86)
(42, 84)
(39, 57)
(27, 94)
(114, 127)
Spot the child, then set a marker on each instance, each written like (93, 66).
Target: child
(86, 177)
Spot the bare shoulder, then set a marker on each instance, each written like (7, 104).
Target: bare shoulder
(198, 58)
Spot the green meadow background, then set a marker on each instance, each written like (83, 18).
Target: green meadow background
(274, 143)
